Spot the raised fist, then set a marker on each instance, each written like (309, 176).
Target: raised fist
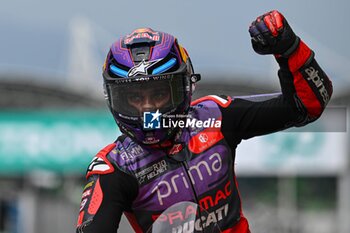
(271, 34)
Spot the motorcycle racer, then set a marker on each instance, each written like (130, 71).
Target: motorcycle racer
(148, 77)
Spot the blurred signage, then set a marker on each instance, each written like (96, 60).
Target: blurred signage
(61, 141)
(292, 153)
(66, 141)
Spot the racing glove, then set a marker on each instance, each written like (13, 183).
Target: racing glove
(271, 34)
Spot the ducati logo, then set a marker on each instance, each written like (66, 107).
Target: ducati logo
(141, 68)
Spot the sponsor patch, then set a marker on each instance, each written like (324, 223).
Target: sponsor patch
(151, 172)
(88, 185)
(82, 204)
(204, 140)
(86, 193)
(175, 149)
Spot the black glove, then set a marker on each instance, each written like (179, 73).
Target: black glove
(271, 34)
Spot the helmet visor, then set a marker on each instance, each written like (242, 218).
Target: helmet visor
(131, 97)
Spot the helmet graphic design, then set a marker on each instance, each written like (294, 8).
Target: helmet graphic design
(147, 71)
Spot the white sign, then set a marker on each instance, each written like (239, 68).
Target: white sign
(291, 153)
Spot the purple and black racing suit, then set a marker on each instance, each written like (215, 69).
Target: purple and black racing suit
(142, 181)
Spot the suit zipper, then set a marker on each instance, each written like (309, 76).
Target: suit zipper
(185, 164)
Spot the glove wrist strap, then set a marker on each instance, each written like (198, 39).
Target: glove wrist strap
(292, 48)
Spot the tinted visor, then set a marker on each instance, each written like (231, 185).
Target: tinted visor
(133, 96)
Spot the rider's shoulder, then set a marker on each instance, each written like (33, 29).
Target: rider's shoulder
(101, 163)
(213, 100)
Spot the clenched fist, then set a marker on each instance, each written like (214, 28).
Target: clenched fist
(271, 34)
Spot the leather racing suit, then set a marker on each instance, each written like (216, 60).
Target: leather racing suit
(142, 181)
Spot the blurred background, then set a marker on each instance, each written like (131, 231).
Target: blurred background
(53, 118)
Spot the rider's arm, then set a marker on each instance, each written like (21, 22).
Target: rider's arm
(306, 89)
(105, 198)
(300, 103)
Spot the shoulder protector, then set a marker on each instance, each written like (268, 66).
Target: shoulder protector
(223, 101)
(100, 164)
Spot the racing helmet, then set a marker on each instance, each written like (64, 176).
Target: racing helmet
(147, 72)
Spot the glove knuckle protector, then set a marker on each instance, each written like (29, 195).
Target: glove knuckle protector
(271, 34)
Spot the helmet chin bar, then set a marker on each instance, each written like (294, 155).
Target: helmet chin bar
(151, 137)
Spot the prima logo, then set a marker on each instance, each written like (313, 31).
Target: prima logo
(166, 188)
